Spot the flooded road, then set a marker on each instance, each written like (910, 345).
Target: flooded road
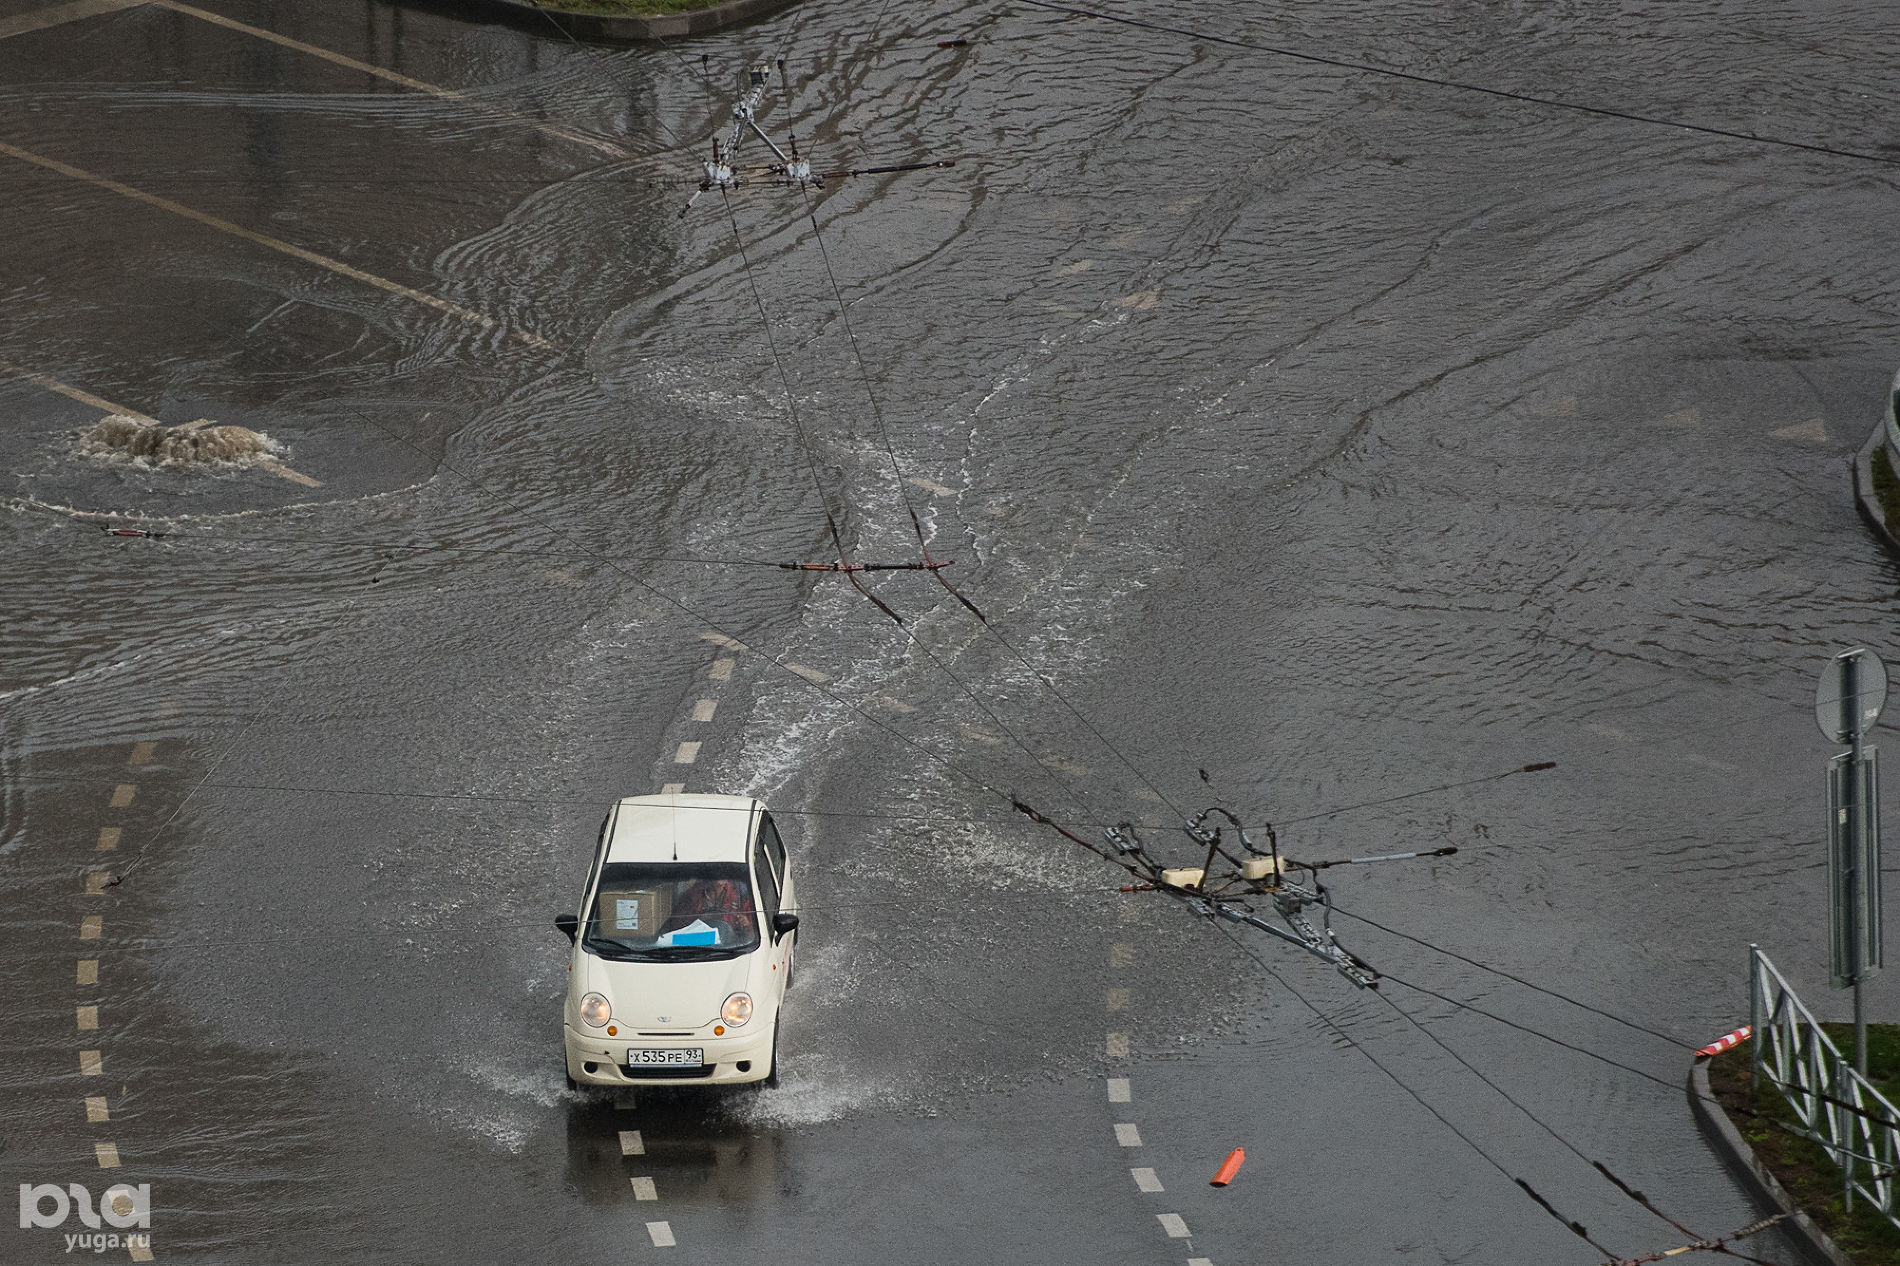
(1340, 436)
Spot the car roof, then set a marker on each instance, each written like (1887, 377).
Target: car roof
(687, 828)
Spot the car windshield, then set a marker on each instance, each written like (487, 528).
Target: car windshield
(672, 911)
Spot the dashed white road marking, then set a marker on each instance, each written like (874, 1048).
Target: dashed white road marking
(1200, 1261)
(631, 1144)
(662, 1234)
(260, 239)
(703, 709)
(624, 1101)
(142, 753)
(1173, 1225)
(688, 753)
(141, 1252)
(90, 1065)
(97, 881)
(1814, 430)
(1118, 1090)
(895, 705)
(809, 674)
(91, 927)
(672, 788)
(108, 1154)
(1118, 1000)
(1121, 954)
(643, 1189)
(932, 486)
(1607, 731)
(88, 973)
(87, 1017)
(721, 669)
(1118, 1046)
(720, 639)
(96, 1110)
(122, 795)
(1127, 1134)
(1692, 416)
(108, 839)
(1145, 1180)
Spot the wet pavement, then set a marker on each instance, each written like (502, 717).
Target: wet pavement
(1339, 436)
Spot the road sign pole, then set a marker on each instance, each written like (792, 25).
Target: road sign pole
(1852, 692)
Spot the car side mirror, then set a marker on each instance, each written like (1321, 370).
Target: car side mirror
(569, 924)
(784, 923)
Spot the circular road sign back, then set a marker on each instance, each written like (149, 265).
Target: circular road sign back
(1852, 692)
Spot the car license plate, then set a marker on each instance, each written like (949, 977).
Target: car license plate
(692, 1056)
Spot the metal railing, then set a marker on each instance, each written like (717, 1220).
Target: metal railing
(1833, 1104)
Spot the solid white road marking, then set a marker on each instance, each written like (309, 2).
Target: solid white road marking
(1145, 1179)
(122, 795)
(59, 14)
(703, 709)
(688, 753)
(1118, 1046)
(96, 1110)
(90, 1065)
(88, 973)
(447, 94)
(721, 669)
(108, 1154)
(264, 240)
(74, 393)
(631, 1143)
(1127, 1134)
(643, 1189)
(662, 1234)
(1173, 1225)
(1118, 1090)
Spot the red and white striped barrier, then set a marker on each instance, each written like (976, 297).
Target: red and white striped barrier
(1725, 1042)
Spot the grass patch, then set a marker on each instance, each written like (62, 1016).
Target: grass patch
(1887, 489)
(628, 8)
(1802, 1166)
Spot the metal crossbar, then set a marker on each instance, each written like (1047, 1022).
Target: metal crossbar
(1833, 1104)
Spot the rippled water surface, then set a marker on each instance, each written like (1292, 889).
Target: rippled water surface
(1339, 435)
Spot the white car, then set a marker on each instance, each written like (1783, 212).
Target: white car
(683, 946)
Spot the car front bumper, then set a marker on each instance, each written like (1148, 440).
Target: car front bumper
(594, 1059)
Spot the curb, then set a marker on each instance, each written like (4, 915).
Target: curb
(600, 26)
(1864, 498)
(1799, 1229)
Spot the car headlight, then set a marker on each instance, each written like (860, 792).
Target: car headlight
(596, 1010)
(738, 1009)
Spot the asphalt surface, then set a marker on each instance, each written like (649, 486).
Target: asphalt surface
(1341, 436)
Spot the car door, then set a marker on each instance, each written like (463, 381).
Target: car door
(771, 901)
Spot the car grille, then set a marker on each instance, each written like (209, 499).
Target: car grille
(682, 1072)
